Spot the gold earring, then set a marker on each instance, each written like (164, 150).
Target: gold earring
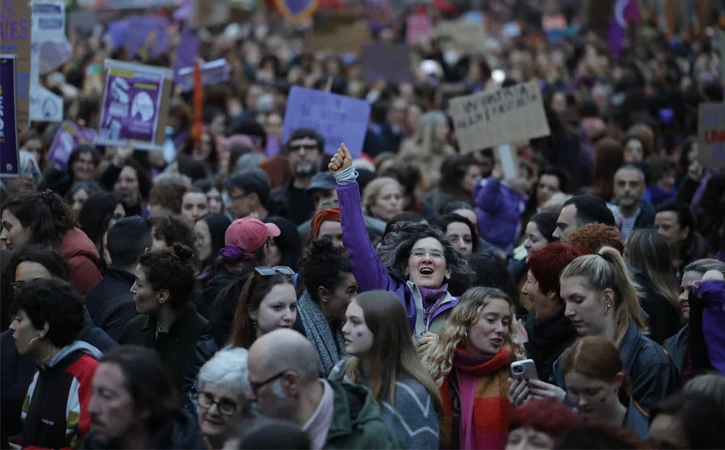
(606, 307)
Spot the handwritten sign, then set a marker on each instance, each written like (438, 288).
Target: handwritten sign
(504, 116)
(68, 137)
(48, 25)
(9, 157)
(711, 135)
(468, 35)
(213, 72)
(15, 33)
(389, 62)
(342, 39)
(336, 117)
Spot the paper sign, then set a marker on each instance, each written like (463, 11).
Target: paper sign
(336, 117)
(48, 25)
(132, 105)
(343, 39)
(389, 62)
(418, 28)
(15, 35)
(49, 37)
(82, 21)
(186, 53)
(468, 35)
(507, 115)
(124, 4)
(68, 137)
(213, 72)
(139, 30)
(721, 43)
(711, 135)
(9, 157)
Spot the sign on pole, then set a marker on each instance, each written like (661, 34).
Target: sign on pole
(711, 135)
(9, 156)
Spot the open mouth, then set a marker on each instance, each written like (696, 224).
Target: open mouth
(497, 342)
(426, 271)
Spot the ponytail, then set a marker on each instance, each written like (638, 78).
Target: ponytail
(45, 214)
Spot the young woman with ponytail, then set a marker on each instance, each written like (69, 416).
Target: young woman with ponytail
(43, 218)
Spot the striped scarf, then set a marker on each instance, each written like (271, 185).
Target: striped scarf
(481, 396)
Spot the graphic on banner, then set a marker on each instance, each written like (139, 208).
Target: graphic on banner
(131, 103)
(9, 157)
(213, 72)
(48, 25)
(67, 139)
(336, 117)
(504, 116)
(15, 35)
(711, 135)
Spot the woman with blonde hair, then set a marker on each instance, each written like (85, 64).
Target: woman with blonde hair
(470, 362)
(601, 300)
(383, 198)
(382, 357)
(429, 145)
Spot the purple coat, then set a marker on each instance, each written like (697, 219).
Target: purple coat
(499, 209)
(367, 265)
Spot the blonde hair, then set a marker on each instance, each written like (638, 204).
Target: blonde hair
(372, 190)
(439, 359)
(607, 270)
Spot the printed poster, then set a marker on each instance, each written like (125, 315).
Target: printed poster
(711, 135)
(48, 25)
(9, 156)
(131, 105)
(67, 139)
(504, 116)
(15, 36)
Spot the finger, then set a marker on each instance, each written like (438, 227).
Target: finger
(344, 149)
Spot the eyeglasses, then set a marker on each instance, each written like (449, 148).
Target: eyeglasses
(258, 386)
(435, 254)
(307, 148)
(269, 271)
(224, 405)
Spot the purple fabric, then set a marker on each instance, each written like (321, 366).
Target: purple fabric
(499, 209)
(367, 266)
(232, 254)
(713, 318)
(703, 186)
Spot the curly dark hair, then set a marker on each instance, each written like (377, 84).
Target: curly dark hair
(172, 269)
(96, 214)
(325, 265)
(442, 222)
(46, 214)
(172, 229)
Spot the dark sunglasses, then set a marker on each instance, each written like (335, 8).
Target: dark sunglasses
(307, 148)
(269, 271)
(257, 386)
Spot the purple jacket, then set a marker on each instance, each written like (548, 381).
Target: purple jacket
(368, 268)
(499, 209)
(713, 293)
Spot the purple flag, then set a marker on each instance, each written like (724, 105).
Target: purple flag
(117, 33)
(9, 156)
(186, 53)
(625, 12)
(140, 27)
(67, 139)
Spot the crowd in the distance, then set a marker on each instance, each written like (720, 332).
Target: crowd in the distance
(258, 293)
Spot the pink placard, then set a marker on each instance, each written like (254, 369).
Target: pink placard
(419, 27)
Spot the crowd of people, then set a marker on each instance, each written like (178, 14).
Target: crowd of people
(253, 292)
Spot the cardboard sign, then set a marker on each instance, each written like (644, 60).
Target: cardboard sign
(68, 137)
(389, 62)
(343, 39)
(9, 156)
(15, 36)
(711, 135)
(418, 28)
(504, 116)
(213, 72)
(135, 105)
(469, 36)
(336, 117)
(48, 25)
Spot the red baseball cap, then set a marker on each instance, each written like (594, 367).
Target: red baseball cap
(250, 234)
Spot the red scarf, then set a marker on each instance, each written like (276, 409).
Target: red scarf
(491, 409)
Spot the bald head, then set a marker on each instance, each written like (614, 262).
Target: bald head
(281, 350)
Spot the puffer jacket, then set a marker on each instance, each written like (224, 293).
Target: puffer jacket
(82, 256)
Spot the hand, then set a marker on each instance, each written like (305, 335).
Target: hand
(122, 154)
(520, 331)
(518, 391)
(695, 171)
(541, 389)
(425, 343)
(497, 172)
(341, 161)
(713, 275)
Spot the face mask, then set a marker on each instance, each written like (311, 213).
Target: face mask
(451, 57)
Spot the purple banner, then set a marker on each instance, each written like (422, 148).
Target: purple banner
(131, 102)
(186, 53)
(9, 157)
(140, 29)
(213, 72)
(67, 139)
(389, 62)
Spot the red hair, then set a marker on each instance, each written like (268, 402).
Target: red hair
(547, 264)
(546, 415)
(278, 170)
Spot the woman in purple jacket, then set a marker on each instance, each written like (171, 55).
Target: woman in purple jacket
(416, 264)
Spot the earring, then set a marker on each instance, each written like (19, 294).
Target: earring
(606, 307)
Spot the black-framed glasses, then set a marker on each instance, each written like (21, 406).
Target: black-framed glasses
(305, 147)
(224, 405)
(257, 386)
(269, 271)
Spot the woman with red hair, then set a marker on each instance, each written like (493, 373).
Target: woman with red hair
(538, 424)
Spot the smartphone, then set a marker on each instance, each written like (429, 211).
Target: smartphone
(525, 369)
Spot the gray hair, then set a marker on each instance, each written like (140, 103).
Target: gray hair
(706, 264)
(228, 368)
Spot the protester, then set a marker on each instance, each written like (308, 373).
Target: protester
(248, 194)
(264, 433)
(629, 186)
(169, 230)
(283, 373)
(676, 224)
(687, 420)
(594, 236)
(98, 215)
(461, 232)
(167, 193)
(213, 196)
(194, 205)
(382, 357)
(326, 224)
(209, 232)
(579, 211)
(383, 198)
(538, 424)
(82, 165)
(470, 361)
(285, 249)
(711, 384)
(79, 193)
(537, 235)
(129, 181)
(551, 181)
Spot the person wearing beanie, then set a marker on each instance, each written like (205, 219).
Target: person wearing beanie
(326, 223)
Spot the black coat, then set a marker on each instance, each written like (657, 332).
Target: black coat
(111, 303)
(664, 319)
(548, 339)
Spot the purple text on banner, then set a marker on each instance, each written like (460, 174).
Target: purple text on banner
(186, 53)
(67, 139)
(139, 29)
(419, 27)
(336, 117)
(213, 72)
(9, 157)
(131, 103)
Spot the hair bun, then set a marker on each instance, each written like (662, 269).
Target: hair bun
(182, 252)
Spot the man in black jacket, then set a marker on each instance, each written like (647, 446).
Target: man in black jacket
(110, 302)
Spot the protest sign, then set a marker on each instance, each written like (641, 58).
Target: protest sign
(341, 39)
(68, 137)
(721, 43)
(389, 62)
(711, 135)
(213, 72)
(135, 105)
(207, 13)
(9, 157)
(336, 117)
(468, 35)
(151, 28)
(296, 9)
(82, 21)
(15, 34)
(48, 25)
(504, 116)
(125, 4)
(418, 28)
(186, 52)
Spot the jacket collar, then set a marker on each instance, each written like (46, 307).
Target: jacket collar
(120, 274)
(345, 418)
(151, 322)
